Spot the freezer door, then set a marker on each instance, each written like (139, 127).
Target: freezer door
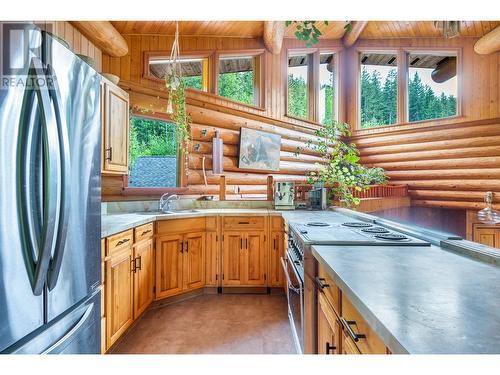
(74, 270)
(21, 191)
(75, 332)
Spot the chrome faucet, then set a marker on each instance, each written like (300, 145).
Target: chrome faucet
(166, 202)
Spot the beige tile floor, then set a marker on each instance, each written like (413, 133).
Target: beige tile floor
(213, 324)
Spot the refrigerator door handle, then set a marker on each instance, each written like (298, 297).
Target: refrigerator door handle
(63, 180)
(72, 331)
(37, 270)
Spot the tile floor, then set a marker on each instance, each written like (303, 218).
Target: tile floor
(213, 324)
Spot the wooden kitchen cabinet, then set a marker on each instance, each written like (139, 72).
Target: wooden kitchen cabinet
(143, 276)
(232, 259)
(328, 328)
(115, 125)
(193, 261)
(277, 251)
(169, 256)
(489, 236)
(119, 294)
(212, 251)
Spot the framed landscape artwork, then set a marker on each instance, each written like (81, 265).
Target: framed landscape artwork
(259, 150)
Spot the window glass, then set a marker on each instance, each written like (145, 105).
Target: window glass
(194, 71)
(236, 79)
(153, 153)
(297, 104)
(432, 86)
(327, 88)
(379, 89)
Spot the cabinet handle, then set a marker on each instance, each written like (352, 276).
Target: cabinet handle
(146, 232)
(246, 243)
(320, 283)
(110, 153)
(329, 347)
(132, 265)
(182, 246)
(241, 243)
(138, 267)
(347, 325)
(122, 242)
(187, 246)
(243, 222)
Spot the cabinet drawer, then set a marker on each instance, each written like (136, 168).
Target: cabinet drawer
(243, 222)
(181, 225)
(327, 286)
(143, 232)
(352, 320)
(277, 223)
(119, 241)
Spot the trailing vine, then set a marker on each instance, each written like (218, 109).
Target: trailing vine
(308, 31)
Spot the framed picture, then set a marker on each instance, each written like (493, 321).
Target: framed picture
(259, 150)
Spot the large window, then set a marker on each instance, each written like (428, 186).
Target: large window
(379, 89)
(153, 153)
(432, 86)
(239, 79)
(194, 71)
(327, 88)
(298, 85)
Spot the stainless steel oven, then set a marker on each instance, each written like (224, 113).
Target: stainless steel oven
(295, 295)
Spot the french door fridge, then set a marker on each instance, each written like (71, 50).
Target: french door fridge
(49, 196)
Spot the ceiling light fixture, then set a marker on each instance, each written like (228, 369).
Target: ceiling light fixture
(449, 29)
(489, 215)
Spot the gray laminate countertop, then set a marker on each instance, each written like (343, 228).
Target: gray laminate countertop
(420, 299)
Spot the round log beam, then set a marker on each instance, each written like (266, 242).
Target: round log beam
(103, 35)
(489, 43)
(273, 36)
(445, 71)
(350, 37)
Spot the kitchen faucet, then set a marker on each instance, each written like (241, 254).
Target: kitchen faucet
(166, 202)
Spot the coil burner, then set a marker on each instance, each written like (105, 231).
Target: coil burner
(391, 237)
(375, 230)
(317, 224)
(357, 225)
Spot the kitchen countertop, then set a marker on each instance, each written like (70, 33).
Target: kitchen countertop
(420, 299)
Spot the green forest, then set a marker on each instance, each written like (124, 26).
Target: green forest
(379, 101)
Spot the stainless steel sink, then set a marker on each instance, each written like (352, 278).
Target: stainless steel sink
(168, 212)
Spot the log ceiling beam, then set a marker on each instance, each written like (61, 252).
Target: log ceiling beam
(350, 38)
(273, 36)
(489, 43)
(104, 36)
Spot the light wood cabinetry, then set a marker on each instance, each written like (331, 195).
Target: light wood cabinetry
(277, 244)
(212, 251)
(115, 128)
(328, 328)
(487, 236)
(193, 262)
(169, 255)
(143, 270)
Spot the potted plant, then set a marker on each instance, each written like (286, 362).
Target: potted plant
(341, 171)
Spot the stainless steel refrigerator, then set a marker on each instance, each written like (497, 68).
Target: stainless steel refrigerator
(49, 196)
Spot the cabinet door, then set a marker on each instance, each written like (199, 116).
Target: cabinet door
(211, 257)
(487, 236)
(254, 259)
(116, 128)
(194, 260)
(232, 259)
(328, 328)
(169, 254)
(348, 346)
(119, 295)
(143, 276)
(276, 252)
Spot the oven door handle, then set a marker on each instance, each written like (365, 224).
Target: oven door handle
(287, 276)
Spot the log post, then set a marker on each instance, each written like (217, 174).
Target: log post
(357, 28)
(103, 35)
(488, 43)
(222, 188)
(274, 32)
(270, 192)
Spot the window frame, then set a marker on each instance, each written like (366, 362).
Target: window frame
(158, 191)
(402, 53)
(206, 56)
(313, 85)
(259, 56)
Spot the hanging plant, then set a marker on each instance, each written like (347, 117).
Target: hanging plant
(176, 105)
(308, 31)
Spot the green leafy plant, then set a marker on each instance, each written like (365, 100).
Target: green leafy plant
(308, 31)
(341, 170)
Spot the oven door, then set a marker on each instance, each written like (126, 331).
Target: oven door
(295, 296)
